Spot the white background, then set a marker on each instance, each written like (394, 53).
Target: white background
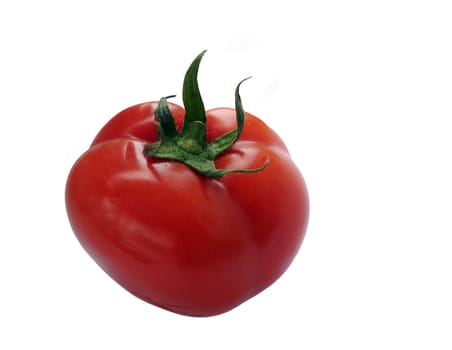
(359, 90)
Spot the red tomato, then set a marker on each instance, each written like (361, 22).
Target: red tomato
(176, 238)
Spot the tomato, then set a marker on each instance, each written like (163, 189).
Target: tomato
(197, 237)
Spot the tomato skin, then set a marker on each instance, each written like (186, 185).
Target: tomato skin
(187, 243)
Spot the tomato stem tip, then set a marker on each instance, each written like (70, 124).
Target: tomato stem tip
(190, 146)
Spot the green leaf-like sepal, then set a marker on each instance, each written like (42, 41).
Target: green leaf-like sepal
(190, 145)
(222, 143)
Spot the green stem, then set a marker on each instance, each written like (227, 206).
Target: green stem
(190, 145)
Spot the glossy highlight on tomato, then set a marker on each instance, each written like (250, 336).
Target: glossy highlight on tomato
(190, 210)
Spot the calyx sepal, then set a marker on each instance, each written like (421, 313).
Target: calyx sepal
(189, 146)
